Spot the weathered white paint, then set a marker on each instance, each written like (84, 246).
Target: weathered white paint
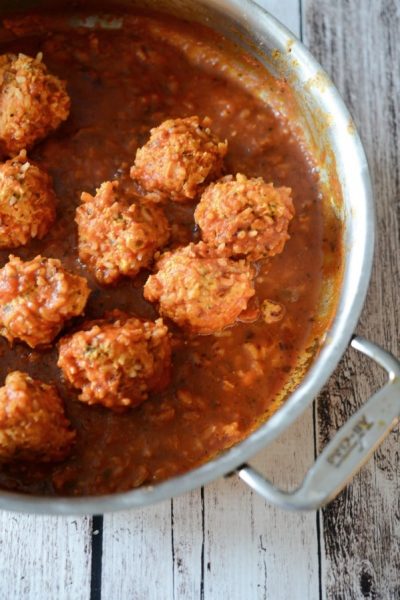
(137, 554)
(253, 549)
(44, 558)
(158, 550)
(188, 515)
(359, 45)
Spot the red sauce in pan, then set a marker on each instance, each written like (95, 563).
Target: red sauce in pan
(121, 84)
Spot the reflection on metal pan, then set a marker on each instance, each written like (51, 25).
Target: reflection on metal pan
(327, 128)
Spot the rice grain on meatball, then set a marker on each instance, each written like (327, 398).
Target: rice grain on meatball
(117, 361)
(27, 202)
(32, 102)
(33, 425)
(37, 297)
(117, 239)
(200, 291)
(181, 157)
(245, 217)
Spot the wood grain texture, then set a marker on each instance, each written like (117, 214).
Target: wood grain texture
(137, 554)
(358, 43)
(263, 552)
(187, 538)
(44, 557)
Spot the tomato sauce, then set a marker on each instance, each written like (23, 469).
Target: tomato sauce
(122, 83)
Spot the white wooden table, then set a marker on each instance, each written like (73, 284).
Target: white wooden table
(223, 542)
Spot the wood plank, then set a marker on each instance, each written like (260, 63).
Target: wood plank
(262, 551)
(157, 552)
(44, 557)
(359, 45)
(188, 545)
(137, 554)
(287, 11)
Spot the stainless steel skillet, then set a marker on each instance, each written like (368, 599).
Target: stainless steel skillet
(328, 129)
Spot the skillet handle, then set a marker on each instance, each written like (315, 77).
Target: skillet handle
(350, 448)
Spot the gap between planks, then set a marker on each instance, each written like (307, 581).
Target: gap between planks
(359, 45)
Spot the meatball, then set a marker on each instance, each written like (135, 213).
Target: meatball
(245, 217)
(32, 102)
(200, 291)
(117, 361)
(27, 202)
(33, 425)
(116, 239)
(181, 157)
(37, 297)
